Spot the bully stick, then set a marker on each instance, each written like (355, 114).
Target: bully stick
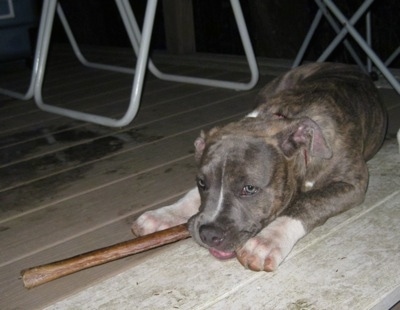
(36, 276)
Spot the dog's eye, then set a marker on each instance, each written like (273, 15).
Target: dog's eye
(201, 183)
(248, 190)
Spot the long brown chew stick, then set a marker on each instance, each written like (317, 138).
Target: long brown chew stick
(36, 276)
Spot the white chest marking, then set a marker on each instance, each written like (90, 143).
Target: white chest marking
(309, 184)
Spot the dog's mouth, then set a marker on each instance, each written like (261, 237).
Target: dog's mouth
(222, 255)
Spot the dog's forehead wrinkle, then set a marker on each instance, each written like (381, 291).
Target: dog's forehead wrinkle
(246, 161)
(241, 146)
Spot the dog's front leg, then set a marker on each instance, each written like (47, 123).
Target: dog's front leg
(165, 217)
(272, 244)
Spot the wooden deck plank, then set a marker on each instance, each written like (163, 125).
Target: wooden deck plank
(39, 119)
(196, 115)
(196, 118)
(227, 268)
(53, 207)
(173, 113)
(63, 87)
(63, 76)
(109, 102)
(160, 107)
(13, 293)
(78, 215)
(118, 85)
(345, 270)
(70, 86)
(60, 84)
(347, 282)
(151, 113)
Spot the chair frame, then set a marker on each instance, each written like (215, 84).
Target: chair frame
(327, 8)
(140, 42)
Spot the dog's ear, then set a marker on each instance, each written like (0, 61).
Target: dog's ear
(199, 145)
(304, 133)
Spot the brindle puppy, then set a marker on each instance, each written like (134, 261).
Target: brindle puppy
(298, 159)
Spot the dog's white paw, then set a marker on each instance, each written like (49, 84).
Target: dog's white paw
(268, 248)
(155, 220)
(166, 217)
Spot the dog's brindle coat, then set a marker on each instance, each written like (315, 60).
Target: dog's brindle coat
(297, 160)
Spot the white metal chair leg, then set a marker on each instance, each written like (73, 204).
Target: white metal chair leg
(392, 57)
(363, 45)
(340, 34)
(368, 36)
(78, 52)
(29, 93)
(307, 39)
(137, 82)
(18, 95)
(348, 28)
(135, 35)
(140, 43)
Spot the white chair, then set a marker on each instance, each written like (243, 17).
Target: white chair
(329, 10)
(140, 43)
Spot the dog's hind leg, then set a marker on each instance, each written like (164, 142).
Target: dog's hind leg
(165, 217)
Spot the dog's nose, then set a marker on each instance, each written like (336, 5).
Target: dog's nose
(211, 235)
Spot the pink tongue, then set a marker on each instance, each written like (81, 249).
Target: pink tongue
(222, 255)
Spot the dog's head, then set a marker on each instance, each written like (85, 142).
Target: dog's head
(246, 177)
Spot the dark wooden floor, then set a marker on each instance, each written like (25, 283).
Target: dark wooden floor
(67, 187)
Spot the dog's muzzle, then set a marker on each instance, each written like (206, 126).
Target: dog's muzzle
(214, 237)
